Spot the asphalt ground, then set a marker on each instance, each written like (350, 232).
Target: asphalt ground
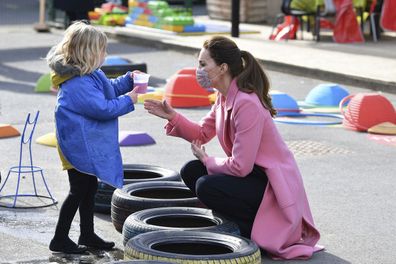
(349, 179)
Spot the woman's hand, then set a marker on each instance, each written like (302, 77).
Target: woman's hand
(160, 109)
(133, 95)
(198, 150)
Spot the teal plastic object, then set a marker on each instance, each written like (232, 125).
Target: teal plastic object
(327, 94)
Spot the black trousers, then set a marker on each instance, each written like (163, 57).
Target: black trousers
(236, 198)
(81, 196)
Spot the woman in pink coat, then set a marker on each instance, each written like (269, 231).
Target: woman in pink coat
(258, 185)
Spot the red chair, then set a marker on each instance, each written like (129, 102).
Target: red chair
(287, 10)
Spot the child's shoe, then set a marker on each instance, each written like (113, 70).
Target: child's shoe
(94, 241)
(66, 246)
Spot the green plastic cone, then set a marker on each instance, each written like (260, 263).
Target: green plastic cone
(43, 84)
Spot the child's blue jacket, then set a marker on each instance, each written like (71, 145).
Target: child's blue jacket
(86, 117)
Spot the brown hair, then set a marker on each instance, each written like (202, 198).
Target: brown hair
(251, 78)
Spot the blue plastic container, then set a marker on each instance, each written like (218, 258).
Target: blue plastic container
(115, 60)
(327, 94)
(194, 28)
(283, 102)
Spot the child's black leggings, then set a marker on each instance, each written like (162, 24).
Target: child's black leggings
(81, 196)
(236, 198)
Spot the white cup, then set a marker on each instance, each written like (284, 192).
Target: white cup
(141, 79)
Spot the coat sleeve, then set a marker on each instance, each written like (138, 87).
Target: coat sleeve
(248, 124)
(88, 99)
(122, 84)
(205, 130)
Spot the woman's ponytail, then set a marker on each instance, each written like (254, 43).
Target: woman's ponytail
(243, 66)
(253, 79)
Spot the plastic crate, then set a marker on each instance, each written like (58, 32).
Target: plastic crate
(116, 66)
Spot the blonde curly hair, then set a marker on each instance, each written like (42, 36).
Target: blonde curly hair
(81, 48)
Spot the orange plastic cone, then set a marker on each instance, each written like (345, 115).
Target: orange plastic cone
(7, 130)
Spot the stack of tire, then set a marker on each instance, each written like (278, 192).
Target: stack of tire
(164, 221)
(144, 195)
(133, 173)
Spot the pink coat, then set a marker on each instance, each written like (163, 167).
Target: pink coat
(283, 225)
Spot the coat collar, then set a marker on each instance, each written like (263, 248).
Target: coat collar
(231, 95)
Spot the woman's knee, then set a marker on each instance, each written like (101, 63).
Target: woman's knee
(190, 168)
(205, 189)
(191, 172)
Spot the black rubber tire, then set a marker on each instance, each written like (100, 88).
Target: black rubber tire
(102, 208)
(143, 195)
(176, 218)
(138, 262)
(133, 173)
(193, 247)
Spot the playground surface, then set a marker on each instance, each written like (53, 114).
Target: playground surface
(348, 175)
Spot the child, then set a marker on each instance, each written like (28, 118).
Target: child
(86, 116)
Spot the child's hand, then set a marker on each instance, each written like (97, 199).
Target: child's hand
(160, 109)
(134, 95)
(135, 71)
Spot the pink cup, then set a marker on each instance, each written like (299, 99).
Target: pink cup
(141, 80)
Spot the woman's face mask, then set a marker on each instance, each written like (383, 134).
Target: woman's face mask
(203, 78)
(206, 66)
